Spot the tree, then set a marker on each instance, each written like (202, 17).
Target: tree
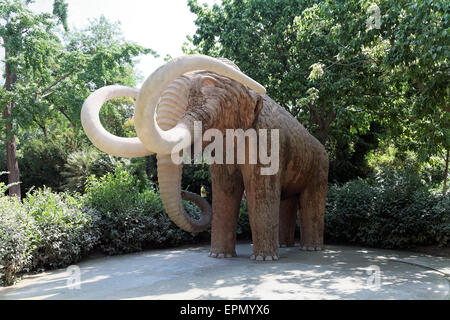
(336, 69)
(294, 48)
(49, 73)
(417, 57)
(29, 44)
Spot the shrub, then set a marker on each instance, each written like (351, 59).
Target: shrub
(61, 162)
(63, 232)
(15, 236)
(392, 210)
(440, 228)
(41, 163)
(130, 218)
(82, 164)
(78, 168)
(350, 207)
(15, 239)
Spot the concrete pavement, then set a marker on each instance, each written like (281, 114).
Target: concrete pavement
(339, 272)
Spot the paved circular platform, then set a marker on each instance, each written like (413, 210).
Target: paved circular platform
(339, 272)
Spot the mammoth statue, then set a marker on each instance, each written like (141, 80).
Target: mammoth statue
(213, 92)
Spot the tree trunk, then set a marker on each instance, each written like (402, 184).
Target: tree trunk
(324, 124)
(11, 159)
(322, 135)
(446, 173)
(13, 168)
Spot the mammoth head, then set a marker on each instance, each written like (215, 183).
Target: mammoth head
(220, 103)
(187, 89)
(148, 131)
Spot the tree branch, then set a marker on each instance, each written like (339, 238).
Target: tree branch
(318, 118)
(56, 82)
(66, 116)
(48, 94)
(368, 58)
(331, 117)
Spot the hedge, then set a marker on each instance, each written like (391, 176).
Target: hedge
(119, 214)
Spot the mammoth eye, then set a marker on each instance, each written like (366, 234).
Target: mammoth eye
(208, 82)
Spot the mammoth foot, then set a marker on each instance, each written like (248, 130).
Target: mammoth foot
(264, 258)
(311, 248)
(222, 255)
(287, 245)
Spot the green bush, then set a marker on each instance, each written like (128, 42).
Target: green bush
(41, 163)
(63, 233)
(16, 241)
(84, 163)
(42, 159)
(130, 218)
(120, 214)
(62, 162)
(15, 236)
(78, 168)
(347, 209)
(392, 210)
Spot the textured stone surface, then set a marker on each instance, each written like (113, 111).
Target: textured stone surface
(222, 98)
(273, 200)
(187, 273)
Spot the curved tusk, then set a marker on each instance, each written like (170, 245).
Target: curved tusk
(148, 131)
(102, 139)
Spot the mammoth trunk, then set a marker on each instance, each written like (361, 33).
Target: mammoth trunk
(171, 108)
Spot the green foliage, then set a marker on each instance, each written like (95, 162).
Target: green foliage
(243, 227)
(63, 233)
(78, 168)
(386, 156)
(194, 176)
(55, 76)
(50, 73)
(292, 47)
(418, 58)
(42, 160)
(53, 230)
(349, 158)
(392, 210)
(319, 60)
(100, 56)
(47, 230)
(15, 239)
(82, 164)
(60, 11)
(131, 218)
(63, 162)
(441, 228)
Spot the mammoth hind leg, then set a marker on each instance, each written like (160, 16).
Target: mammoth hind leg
(288, 218)
(312, 217)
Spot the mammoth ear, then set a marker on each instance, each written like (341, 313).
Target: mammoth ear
(258, 103)
(208, 82)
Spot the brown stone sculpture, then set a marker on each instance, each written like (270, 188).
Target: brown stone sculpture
(214, 93)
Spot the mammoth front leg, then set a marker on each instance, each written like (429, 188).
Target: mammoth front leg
(227, 190)
(263, 196)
